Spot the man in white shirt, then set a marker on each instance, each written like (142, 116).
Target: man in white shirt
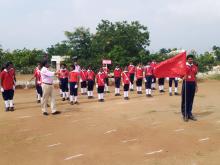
(48, 89)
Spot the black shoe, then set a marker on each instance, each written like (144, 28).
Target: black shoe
(48, 105)
(102, 100)
(63, 99)
(11, 109)
(108, 91)
(162, 91)
(153, 88)
(131, 89)
(7, 109)
(116, 94)
(170, 94)
(186, 119)
(71, 102)
(38, 101)
(76, 102)
(56, 113)
(68, 98)
(45, 113)
(176, 93)
(61, 95)
(150, 95)
(192, 118)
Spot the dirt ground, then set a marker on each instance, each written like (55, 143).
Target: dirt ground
(140, 131)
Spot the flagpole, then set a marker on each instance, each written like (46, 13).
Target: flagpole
(185, 97)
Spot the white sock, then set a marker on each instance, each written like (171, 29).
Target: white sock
(88, 93)
(102, 95)
(38, 97)
(11, 103)
(63, 93)
(71, 98)
(116, 90)
(91, 93)
(132, 86)
(170, 89)
(107, 88)
(67, 94)
(176, 90)
(162, 87)
(82, 90)
(149, 91)
(75, 98)
(137, 89)
(7, 103)
(99, 96)
(125, 94)
(140, 89)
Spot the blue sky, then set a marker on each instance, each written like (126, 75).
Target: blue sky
(187, 24)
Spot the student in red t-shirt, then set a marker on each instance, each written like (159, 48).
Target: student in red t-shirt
(131, 70)
(126, 82)
(7, 86)
(83, 78)
(38, 82)
(148, 79)
(189, 89)
(63, 75)
(154, 80)
(100, 84)
(91, 81)
(117, 76)
(107, 72)
(139, 78)
(73, 81)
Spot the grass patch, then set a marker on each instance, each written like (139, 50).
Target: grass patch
(215, 77)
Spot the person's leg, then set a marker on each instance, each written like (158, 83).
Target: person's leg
(149, 83)
(191, 99)
(183, 102)
(45, 97)
(52, 98)
(176, 86)
(75, 92)
(67, 89)
(71, 92)
(6, 99)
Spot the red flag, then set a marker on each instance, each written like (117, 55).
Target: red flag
(173, 67)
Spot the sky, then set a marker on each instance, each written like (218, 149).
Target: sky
(185, 24)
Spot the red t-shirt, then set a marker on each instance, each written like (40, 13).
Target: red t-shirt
(139, 73)
(191, 71)
(131, 69)
(148, 71)
(100, 79)
(63, 73)
(126, 77)
(91, 75)
(73, 76)
(153, 64)
(117, 72)
(37, 76)
(83, 75)
(7, 80)
(106, 70)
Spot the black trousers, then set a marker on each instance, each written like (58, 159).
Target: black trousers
(64, 84)
(126, 87)
(132, 78)
(90, 85)
(83, 84)
(73, 90)
(171, 82)
(161, 81)
(148, 82)
(188, 93)
(8, 94)
(100, 89)
(154, 79)
(139, 82)
(107, 81)
(117, 82)
(39, 90)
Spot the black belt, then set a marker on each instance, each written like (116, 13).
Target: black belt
(47, 83)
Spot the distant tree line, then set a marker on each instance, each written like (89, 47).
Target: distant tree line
(122, 42)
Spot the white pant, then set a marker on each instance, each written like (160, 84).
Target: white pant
(48, 92)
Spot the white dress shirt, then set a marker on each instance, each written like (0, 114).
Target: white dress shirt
(47, 76)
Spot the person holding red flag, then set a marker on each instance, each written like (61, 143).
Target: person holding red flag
(100, 84)
(139, 78)
(131, 70)
(189, 88)
(126, 82)
(148, 79)
(117, 76)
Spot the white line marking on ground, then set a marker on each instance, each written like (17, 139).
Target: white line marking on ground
(53, 145)
(155, 123)
(110, 131)
(67, 115)
(179, 130)
(218, 121)
(23, 117)
(204, 139)
(154, 152)
(133, 118)
(74, 121)
(24, 130)
(49, 134)
(74, 156)
(131, 140)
